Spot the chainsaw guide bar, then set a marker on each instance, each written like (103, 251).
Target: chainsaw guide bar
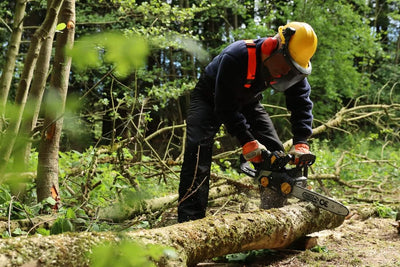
(272, 173)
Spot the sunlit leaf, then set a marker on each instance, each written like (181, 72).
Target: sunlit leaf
(125, 53)
(61, 26)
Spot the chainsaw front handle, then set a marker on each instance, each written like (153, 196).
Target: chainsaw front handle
(275, 161)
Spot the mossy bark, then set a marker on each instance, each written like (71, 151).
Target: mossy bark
(221, 235)
(194, 241)
(122, 210)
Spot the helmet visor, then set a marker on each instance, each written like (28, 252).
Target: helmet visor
(294, 76)
(296, 73)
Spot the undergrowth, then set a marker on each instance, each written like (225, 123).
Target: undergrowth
(91, 180)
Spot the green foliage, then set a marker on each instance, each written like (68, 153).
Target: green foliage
(14, 208)
(362, 160)
(168, 91)
(104, 183)
(5, 196)
(168, 37)
(167, 26)
(61, 225)
(128, 253)
(346, 49)
(61, 26)
(18, 231)
(126, 53)
(227, 168)
(346, 53)
(157, 50)
(320, 249)
(384, 211)
(43, 231)
(386, 87)
(174, 40)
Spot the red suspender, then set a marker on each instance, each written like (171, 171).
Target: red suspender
(251, 62)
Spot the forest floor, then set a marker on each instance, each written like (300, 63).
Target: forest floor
(364, 239)
(369, 236)
(357, 242)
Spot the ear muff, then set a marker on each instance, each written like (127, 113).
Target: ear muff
(269, 45)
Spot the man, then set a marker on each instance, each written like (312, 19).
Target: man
(229, 93)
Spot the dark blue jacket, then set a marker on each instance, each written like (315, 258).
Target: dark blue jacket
(227, 76)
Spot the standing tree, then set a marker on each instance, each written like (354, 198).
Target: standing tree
(47, 170)
(34, 101)
(8, 140)
(13, 48)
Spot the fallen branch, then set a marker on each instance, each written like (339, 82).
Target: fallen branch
(356, 113)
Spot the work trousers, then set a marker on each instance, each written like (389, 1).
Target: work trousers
(202, 125)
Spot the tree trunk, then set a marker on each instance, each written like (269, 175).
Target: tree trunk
(31, 112)
(13, 48)
(221, 235)
(193, 241)
(8, 140)
(47, 170)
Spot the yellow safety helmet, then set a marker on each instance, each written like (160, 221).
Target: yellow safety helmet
(302, 42)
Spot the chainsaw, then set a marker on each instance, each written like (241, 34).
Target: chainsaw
(273, 173)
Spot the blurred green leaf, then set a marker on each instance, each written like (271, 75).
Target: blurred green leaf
(50, 201)
(70, 214)
(61, 225)
(43, 231)
(125, 53)
(127, 254)
(61, 26)
(18, 231)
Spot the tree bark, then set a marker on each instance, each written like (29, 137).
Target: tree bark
(8, 140)
(13, 48)
(193, 241)
(47, 170)
(22, 150)
(31, 111)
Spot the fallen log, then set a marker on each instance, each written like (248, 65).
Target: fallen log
(120, 211)
(193, 241)
(27, 225)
